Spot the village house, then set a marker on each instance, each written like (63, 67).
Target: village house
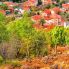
(65, 7)
(3, 12)
(51, 17)
(46, 2)
(36, 18)
(27, 4)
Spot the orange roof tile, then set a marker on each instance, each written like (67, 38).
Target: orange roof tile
(56, 9)
(47, 17)
(65, 5)
(55, 16)
(47, 11)
(26, 8)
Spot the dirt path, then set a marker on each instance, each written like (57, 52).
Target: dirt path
(60, 60)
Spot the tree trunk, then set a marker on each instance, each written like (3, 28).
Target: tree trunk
(27, 54)
(55, 49)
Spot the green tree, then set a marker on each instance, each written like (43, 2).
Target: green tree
(57, 37)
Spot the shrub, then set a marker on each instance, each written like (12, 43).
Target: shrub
(15, 64)
(4, 6)
(2, 17)
(1, 59)
(9, 19)
(42, 21)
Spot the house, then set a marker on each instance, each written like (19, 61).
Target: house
(36, 18)
(30, 3)
(46, 12)
(46, 2)
(51, 18)
(3, 12)
(27, 4)
(66, 6)
(33, 2)
(48, 26)
(66, 24)
(9, 3)
(58, 21)
(56, 10)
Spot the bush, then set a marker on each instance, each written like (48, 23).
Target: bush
(4, 6)
(2, 17)
(9, 19)
(1, 59)
(15, 64)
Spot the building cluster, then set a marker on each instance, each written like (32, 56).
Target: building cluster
(47, 18)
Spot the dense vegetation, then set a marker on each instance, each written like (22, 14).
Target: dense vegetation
(18, 39)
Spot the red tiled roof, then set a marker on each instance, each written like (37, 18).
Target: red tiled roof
(26, 8)
(49, 26)
(33, 1)
(26, 3)
(47, 1)
(65, 5)
(55, 16)
(56, 9)
(36, 17)
(47, 17)
(47, 11)
(29, 3)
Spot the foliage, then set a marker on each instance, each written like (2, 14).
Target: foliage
(3, 33)
(9, 19)
(4, 6)
(42, 21)
(26, 41)
(58, 35)
(65, 15)
(67, 36)
(1, 59)
(2, 17)
(30, 40)
(15, 63)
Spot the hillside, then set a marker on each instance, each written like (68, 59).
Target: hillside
(34, 34)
